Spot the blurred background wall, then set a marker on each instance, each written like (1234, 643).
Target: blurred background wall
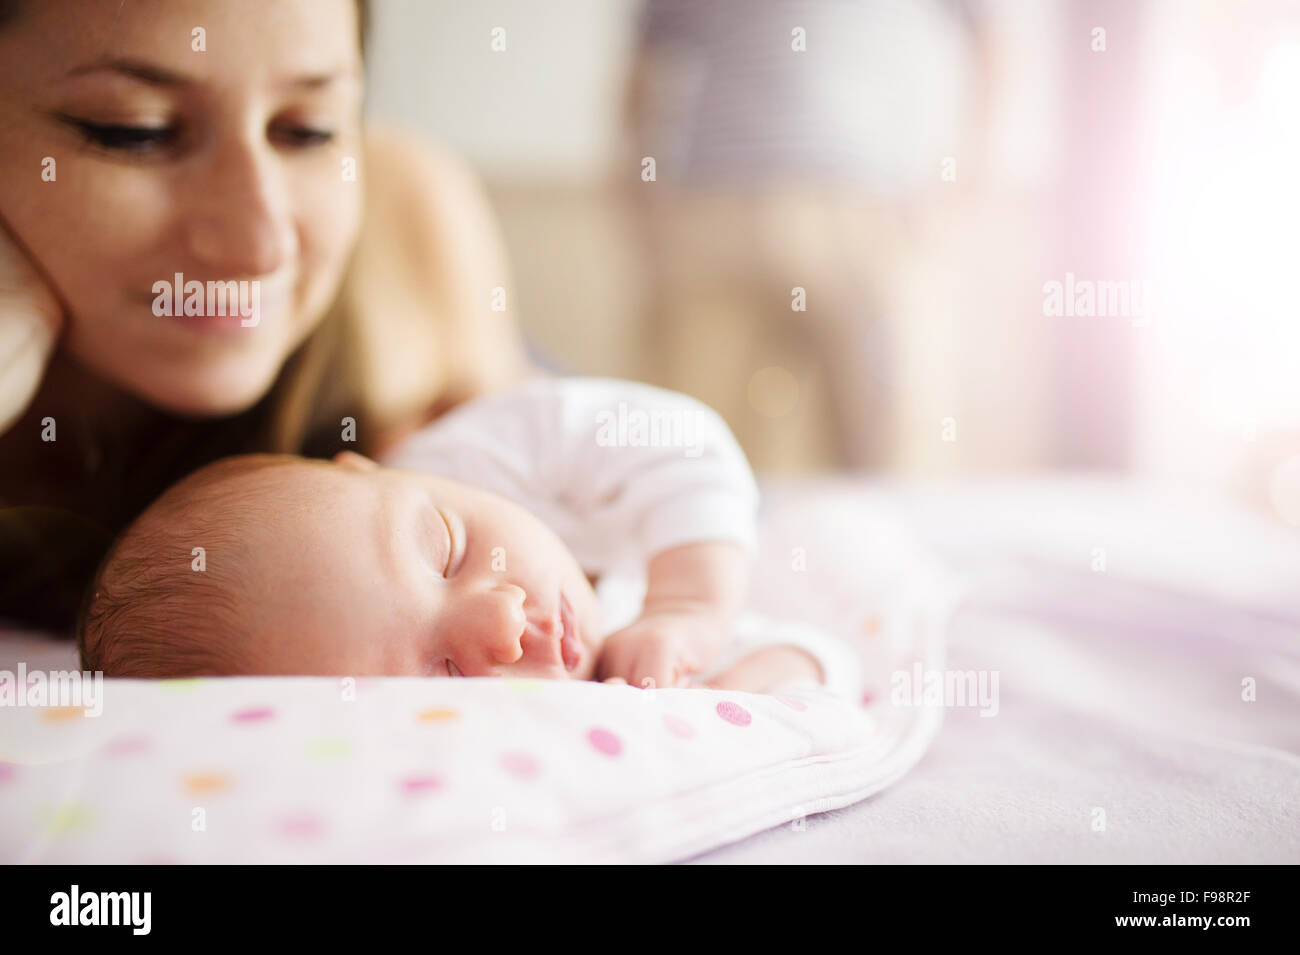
(921, 237)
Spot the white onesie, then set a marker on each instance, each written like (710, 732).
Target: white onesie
(620, 471)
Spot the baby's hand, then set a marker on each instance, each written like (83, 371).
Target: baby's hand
(661, 649)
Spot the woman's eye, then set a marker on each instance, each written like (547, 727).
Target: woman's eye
(126, 138)
(137, 139)
(304, 136)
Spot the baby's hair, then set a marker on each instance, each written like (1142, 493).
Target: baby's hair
(148, 612)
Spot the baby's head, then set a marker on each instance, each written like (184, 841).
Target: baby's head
(273, 564)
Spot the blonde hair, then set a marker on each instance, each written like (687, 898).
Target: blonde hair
(379, 371)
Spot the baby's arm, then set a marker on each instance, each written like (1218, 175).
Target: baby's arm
(693, 593)
(763, 670)
(766, 668)
(708, 576)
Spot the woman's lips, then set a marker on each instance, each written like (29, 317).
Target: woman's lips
(236, 310)
(570, 643)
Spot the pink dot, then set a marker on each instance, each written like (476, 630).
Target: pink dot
(301, 825)
(7, 772)
(126, 745)
(793, 703)
(605, 741)
(734, 713)
(416, 785)
(867, 698)
(253, 715)
(521, 765)
(678, 726)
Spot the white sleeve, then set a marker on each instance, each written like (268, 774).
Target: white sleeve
(660, 462)
(627, 458)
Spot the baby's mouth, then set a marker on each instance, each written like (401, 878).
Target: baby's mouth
(570, 642)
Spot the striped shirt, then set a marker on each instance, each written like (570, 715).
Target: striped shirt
(876, 98)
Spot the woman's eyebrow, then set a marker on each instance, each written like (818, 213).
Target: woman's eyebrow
(155, 75)
(136, 69)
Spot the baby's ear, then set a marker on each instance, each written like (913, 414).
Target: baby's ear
(354, 461)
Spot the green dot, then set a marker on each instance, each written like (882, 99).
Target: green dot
(181, 685)
(328, 748)
(69, 817)
(524, 686)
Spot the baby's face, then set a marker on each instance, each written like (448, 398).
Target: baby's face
(367, 570)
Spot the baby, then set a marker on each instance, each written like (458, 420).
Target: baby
(474, 552)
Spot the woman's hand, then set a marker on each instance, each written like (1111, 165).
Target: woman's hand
(31, 320)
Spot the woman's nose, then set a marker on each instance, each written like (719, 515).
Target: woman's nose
(494, 623)
(240, 223)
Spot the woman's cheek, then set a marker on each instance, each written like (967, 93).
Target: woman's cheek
(95, 233)
(329, 217)
(131, 226)
(328, 190)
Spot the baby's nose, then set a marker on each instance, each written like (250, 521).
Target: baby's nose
(501, 623)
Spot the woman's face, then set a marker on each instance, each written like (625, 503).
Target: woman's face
(217, 139)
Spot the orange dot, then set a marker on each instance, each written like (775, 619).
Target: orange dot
(871, 626)
(206, 782)
(437, 713)
(61, 714)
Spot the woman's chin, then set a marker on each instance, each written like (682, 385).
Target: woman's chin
(207, 392)
(184, 374)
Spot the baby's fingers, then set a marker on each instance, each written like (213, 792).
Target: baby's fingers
(754, 674)
(640, 674)
(661, 670)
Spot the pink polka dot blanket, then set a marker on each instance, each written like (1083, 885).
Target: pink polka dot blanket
(404, 769)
